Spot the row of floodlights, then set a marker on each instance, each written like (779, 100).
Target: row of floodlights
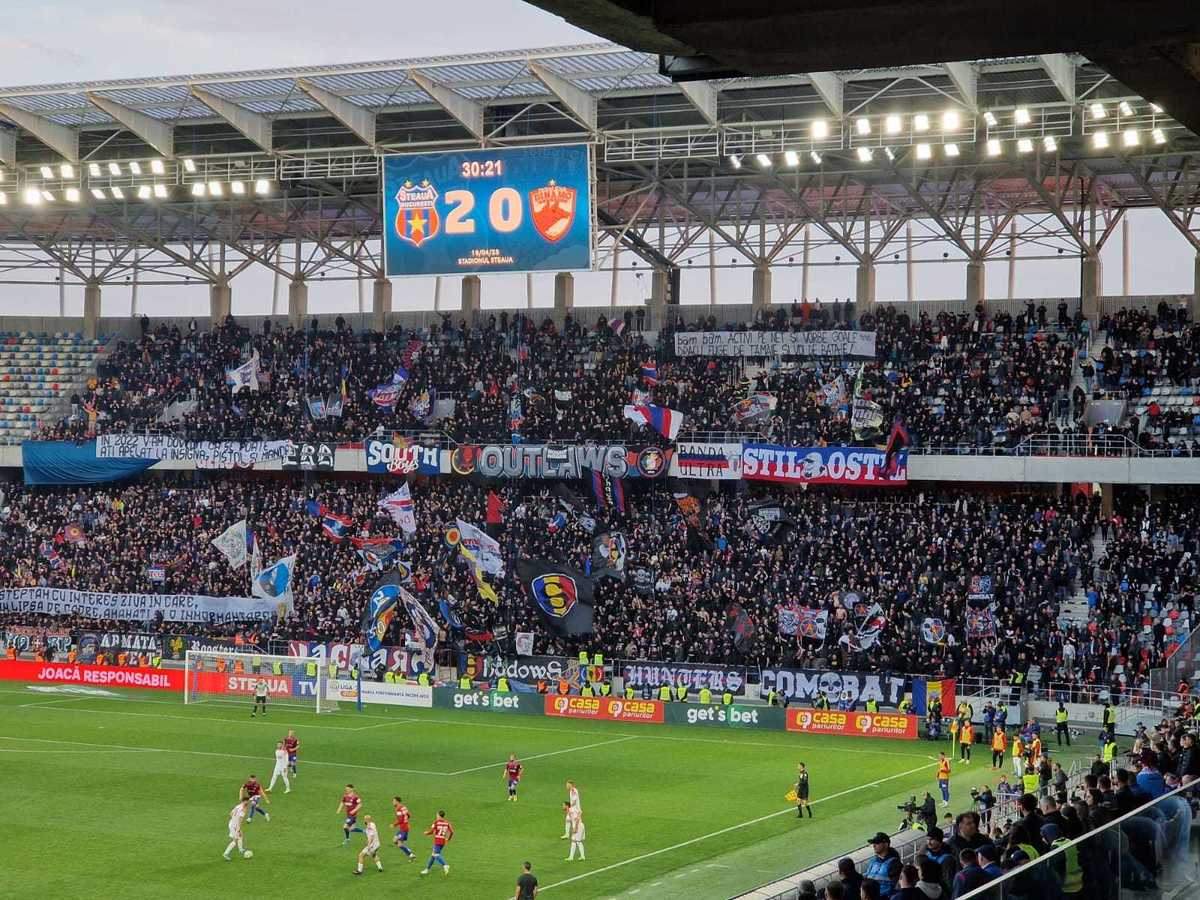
(34, 196)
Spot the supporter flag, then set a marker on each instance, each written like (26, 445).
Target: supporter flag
(617, 326)
(665, 421)
(741, 629)
(234, 544)
(516, 413)
(255, 553)
(812, 623)
(378, 553)
(380, 610)
(50, 554)
(934, 631)
(423, 404)
(449, 614)
(898, 440)
(755, 408)
(524, 643)
(486, 591)
(926, 690)
(73, 534)
(385, 396)
(411, 351)
(981, 587)
(768, 522)
(482, 546)
(650, 373)
(399, 505)
(317, 408)
(400, 376)
(557, 522)
(336, 403)
(865, 418)
(867, 621)
(275, 583)
(494, 517)
(244, 376)
(424, 630)
(609, 551)
(335, 526)
(562, 595)
(834, 393)
(156, 573)
(981, 624)
(609, 491)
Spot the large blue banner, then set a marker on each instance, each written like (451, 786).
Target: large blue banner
(65, 462)
(823, 465)
(515, 209)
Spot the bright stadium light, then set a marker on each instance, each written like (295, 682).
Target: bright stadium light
(989, 119)
(820, 129)
(33, 196)
(239, 188)
(862, 125)
(1131, 138)
(99, 194)
(143, 192)
(1098, 111)
(894, 124)
(887, 151)
(135, 168)
(48, 196)
(117, 192)
(1125, 108)
(198, 189)
(1049, 144)
(994, 147)
(66, 170)
(114, 168)
(160, 191)
(1025, 145)
(951, 120)
(215, 188)
(920, 122)
(47, 172)
(94, 170)
(1, 176)
(865, 155)
(1158, 136)
(1021, 116)
(72, 195)
(189, 165)
(764, 162)
(1100, 140)
(1156, 109)
(735, 160)
(791, 157)
(262, 187)
(156, 166)
(816, 157)
(3, 200)
(951, 150)
(924, 151)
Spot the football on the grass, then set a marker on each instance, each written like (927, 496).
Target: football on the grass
(248, 854)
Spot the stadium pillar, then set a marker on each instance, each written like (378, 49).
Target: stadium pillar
(1091, 286)
(760, 288)
(976, 284)
(381, 304)
(864, 289)
(1106, 500)
(564, 291)
(297, 302)
(1196, 291)
(470, 296)
(91, 309)
(660, 287)
(220, 301)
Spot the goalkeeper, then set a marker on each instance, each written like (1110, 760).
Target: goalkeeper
(799, 794)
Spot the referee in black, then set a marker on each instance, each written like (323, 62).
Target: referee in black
(527, 884)
(802, 792)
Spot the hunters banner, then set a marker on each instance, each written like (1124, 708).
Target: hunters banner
(137, 607)
(821, 465)
(96, 676)
(775, 343)
(610, 709)
(801, 686)
(856, 724)
(207, 454)
(514, 209)
(717, 679)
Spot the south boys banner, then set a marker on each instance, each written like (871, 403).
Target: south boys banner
(821, 465)
(775, 343)
(802, 686)
(399, 455)
(137, 607)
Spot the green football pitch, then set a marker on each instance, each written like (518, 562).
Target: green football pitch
(125, 794)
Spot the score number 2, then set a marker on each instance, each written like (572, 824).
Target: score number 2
(504, 211)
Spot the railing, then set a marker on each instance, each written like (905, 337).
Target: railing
(1114, 446)
(1094, 694)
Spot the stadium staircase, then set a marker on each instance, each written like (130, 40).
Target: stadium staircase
(38, 374)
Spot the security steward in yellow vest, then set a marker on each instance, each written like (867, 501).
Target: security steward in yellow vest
(772, 698)
(664, 693)
(1060, 725)
(586, 690)
(1110, 719)
(822, 702)
(1110, 750)
(705, 696)
(872, 706)
(727, 699)
(423, 679)
(502, 684)
(605, 689)
(681, 693)
(1067, 862)
(905, 706)
(629, 692)
(464, 683)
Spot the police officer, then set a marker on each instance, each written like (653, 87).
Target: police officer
(628, 691)
(872, 705)
(1060, 725)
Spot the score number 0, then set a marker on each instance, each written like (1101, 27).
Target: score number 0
(504, 211)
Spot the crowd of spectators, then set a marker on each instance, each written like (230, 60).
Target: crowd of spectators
(912, 553)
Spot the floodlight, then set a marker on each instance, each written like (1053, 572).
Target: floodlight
(1125, 108)
(3, 200)
(143, 192)
(920, 122)
(48, 196)
(951, 120)
(816, 157)
(863, 125)
(94, 170)
(1131, 138)
(887, 151)
(951, 150)
(865, 155)
(239, 188)
(924, 151)
(189, 165)
(789, 156)
(47, 172)
(215, 188)
(198, 189)
(1100, 140)
(994, 147)
(989, 119)
(1049, 144)
(1, 176)
(1098, 111)
(764, 161)
(156, 166)
(820, 129)
(160, 191)
(1156, 109)
(114, 168)
(72, 195)
(67, 170)
(33, 196)
(1025, 145)
(735, 161)
(1158, 136)
(894, 124)
(99, 194)
(1021, 116)
(135, 168)
(117, 193)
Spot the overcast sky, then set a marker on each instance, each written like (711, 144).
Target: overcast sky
(73, 40)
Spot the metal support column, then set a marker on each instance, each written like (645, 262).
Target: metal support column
(381, 304)
(976, 284)
(864, 288)
(470, 296)
(564, 291)
(297, 303)
(1091, 285)
(760, 290)
(220, 301)
(91, 309)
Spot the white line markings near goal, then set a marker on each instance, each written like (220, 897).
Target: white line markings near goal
(713, 834)
(619, 740)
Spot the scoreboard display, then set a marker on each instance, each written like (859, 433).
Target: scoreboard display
(515, 209)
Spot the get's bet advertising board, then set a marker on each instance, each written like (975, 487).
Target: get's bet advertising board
(515, 209)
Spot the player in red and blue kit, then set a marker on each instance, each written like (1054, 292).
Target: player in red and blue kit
(401, 827)
(351, 803)
(291, 744)
(252, 790)
(512, 774)
(442, 831)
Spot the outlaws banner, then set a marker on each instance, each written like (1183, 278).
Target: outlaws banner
(610, 709)
(856, 724)
(717, 679)
(99, 676)
(821, 465)
(775, 343)
(137, 607)
(803, 685)
(560, 461)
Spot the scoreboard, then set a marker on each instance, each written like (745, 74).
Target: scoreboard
(515, 209)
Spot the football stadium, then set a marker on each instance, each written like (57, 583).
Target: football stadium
(705, 460)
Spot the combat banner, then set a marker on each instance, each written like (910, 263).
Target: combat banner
(821, 465)
(801, 686)
(609, 709)
(853, 724)
(717, 679)
(560, 461)
(97, 676)
(775, 343)
(206, 454)
(137, 607)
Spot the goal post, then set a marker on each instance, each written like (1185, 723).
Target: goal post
(218, 676)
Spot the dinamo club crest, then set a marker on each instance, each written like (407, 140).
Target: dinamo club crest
(553, 208)
(417, 217)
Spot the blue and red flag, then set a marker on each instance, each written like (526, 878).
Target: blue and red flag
(898, 440)
(650, 372)
(662, 419)
(609, 491)
(50, 554)
(335, 526)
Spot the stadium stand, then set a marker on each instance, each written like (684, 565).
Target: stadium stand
(37, 372)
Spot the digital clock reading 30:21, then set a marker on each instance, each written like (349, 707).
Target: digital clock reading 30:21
(482, 168)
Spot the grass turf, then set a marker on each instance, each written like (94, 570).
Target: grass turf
(131, 792)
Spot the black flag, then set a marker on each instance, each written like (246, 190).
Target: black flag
(561, 594)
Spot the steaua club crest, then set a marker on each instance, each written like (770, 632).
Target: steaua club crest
(417, 217)
(553, 209)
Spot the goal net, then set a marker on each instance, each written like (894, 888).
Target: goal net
(228, 677)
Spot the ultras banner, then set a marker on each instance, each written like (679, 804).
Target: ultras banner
(207, 454)
(137, 607)
(821, 465)
(775, 343)
(802, 686)
(560, 461)
(717, 679)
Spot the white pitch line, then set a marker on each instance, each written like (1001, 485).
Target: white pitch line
(88, 751)
(619, 740)
(122, 712)
(713, 834)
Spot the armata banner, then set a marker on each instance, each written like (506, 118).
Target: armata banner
(717, 679)
(821, 465)
(775, 343)
(801, 686)
(206, 454)
(137, 607)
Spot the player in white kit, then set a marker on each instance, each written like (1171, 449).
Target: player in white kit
(571, 804)
(236, 816)
(576, 830)
(372, 847)
(281, 769)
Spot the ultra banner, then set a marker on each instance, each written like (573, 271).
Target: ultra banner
(722, 461)
(206, 454)
(821, 465)
(855, 724)
(775, 343)
(343, 656)
(717, 679)
(801, 686)
(136, 607)
(560, 461)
